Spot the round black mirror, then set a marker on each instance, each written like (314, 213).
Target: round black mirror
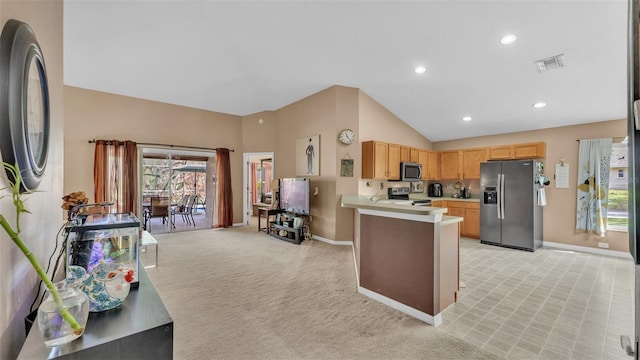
(24, 103)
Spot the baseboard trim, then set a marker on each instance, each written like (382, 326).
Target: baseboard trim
(355, 265)
(620, 254)
(432, 320)
(332, 242)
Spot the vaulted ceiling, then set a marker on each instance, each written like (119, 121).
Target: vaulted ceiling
(244, 57)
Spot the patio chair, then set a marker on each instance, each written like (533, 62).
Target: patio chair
(159, 209)
(187, 210)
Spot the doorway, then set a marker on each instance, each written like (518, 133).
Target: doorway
(258, 174)
(177, 189)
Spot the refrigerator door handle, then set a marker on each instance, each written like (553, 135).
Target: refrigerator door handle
(498, 199)
(501, 197)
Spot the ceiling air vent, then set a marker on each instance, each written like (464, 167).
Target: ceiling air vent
(553, 62)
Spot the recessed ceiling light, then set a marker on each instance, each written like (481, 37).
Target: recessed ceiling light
(508, 39)
(467, 118)
(420, 69)
(539, 105)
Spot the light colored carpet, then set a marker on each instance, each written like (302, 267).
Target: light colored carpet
(240, 294)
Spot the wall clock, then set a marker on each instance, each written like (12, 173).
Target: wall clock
(24, 103)
(346, 136)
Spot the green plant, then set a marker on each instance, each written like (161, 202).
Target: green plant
(18, 203)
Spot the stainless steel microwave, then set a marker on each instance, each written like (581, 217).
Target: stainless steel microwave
(410, 171)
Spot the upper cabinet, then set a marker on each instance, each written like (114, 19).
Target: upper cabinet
(393, 163)
(415, 155)
(430, 161)
(471, 159)
(374, 160)
(405, 153)
(517, 151)
(450, 164)
(380, 160)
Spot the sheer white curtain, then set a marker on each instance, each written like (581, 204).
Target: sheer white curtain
(594, 160)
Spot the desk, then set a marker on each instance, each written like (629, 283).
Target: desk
(141, 328)
(148, 240)
(267, 213)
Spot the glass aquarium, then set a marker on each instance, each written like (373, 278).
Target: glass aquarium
(111, 238)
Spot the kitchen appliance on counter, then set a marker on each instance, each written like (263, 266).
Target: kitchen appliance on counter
(410, 171)
(402, 193)
(435, 190)
(509, 213)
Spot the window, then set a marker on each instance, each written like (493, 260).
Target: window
(618, 210)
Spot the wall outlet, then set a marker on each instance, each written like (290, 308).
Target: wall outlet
(603, 245)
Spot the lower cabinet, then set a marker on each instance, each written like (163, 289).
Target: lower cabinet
(470, 211)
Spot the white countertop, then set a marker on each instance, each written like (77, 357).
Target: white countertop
(442, 198)
(368, 202)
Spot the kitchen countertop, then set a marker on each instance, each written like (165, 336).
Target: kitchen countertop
(443, 198)
(366, 202)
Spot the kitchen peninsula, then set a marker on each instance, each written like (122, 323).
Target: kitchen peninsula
(407, 257)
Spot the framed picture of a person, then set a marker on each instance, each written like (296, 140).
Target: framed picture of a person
(308, 156)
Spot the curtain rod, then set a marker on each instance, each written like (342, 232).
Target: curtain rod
(93, 141)
(614, 138)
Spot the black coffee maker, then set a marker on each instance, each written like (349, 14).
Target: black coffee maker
(435, 190)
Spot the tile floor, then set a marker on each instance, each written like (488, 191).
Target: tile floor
(549, 304)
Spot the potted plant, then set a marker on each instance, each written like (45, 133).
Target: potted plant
(71, 328)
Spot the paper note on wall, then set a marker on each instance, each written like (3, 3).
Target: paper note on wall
(562, 176)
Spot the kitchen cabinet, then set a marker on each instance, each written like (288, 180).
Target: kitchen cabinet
(414, 155)
(380, 160)
(438, 203)
(535, 150)
(393, 162)
(374, 160)
(405, 153)
(470, 212)
(529, 151)
(409, 154)
(450, 165)
(430, 161)
(471, 159)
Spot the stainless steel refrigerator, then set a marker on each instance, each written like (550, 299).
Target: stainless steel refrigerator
(509, 211)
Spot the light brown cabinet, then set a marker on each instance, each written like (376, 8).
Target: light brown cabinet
(517, 151)
(430, 161)
(380, 160)
(450, 165)
(471, 159)
(438, 203)
(405, 153)
(470, 212)
(414, 155)
(374, 160)
(393, 163)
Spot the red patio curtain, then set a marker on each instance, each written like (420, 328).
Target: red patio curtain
(267, 179)
(115, 175)
(224, 193)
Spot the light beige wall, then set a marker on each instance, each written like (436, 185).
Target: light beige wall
(258, 137)
(313, 115)
(347, 116)
(18, 280)
(97, 115)
(378, 123)
(560, 212)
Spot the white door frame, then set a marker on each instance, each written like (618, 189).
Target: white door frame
(246, 171)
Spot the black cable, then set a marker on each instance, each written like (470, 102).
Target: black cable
(35, 299)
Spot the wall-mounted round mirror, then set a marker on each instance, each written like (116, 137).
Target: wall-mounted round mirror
(24, 103)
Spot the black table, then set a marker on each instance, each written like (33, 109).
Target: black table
(267, 213)
(140, 328)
